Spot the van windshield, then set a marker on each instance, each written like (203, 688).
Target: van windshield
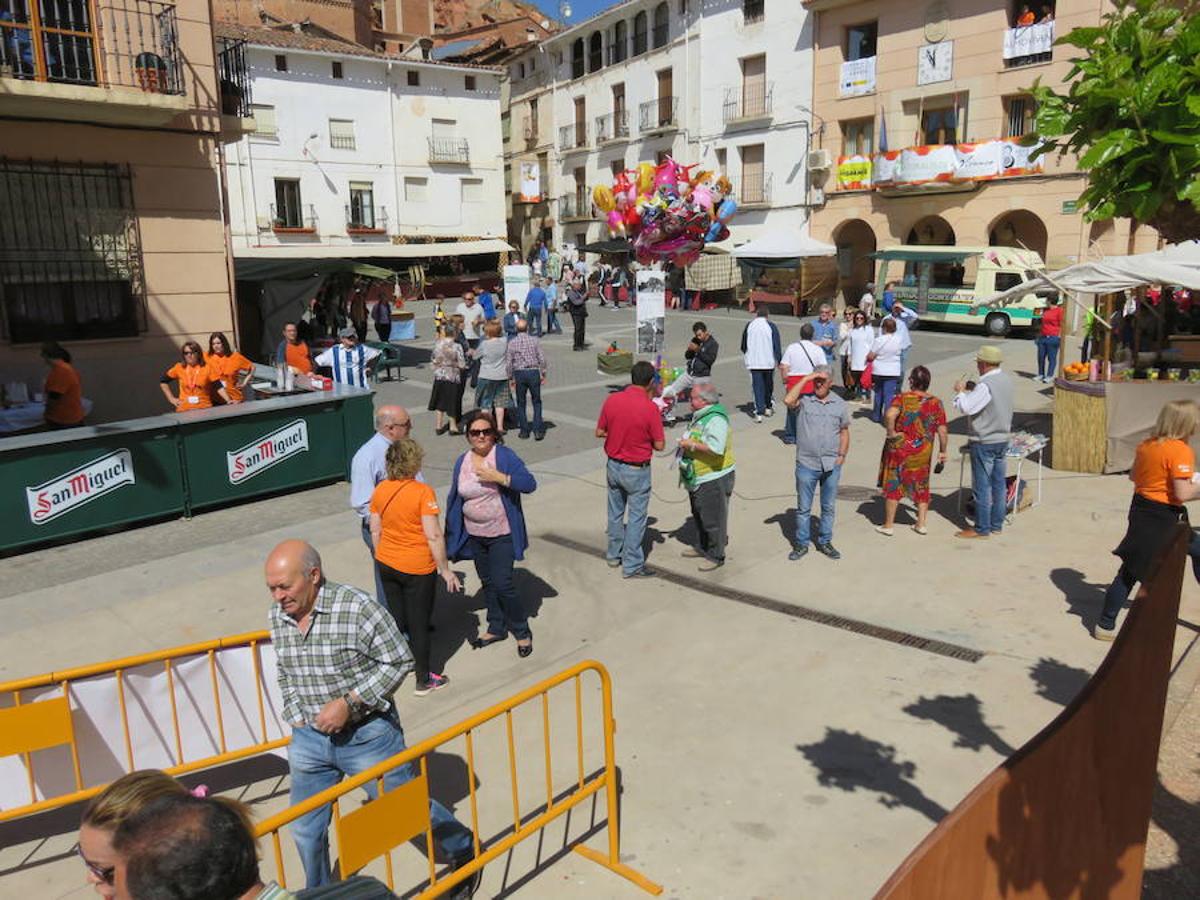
(945, 275)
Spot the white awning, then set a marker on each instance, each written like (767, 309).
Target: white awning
(374, 251)
(783, 244)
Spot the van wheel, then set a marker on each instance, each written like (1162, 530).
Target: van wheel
(997, 325)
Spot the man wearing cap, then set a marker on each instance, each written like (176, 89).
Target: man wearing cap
(988, 405)
(349, 360)
(822, 442)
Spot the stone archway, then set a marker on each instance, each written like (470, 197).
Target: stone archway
(1019, 228)
(931, 230)
(855, 242)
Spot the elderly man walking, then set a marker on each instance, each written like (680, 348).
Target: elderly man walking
(369, 467)
(526, 364)
(988, 405)
(762, 350)
(822, 441)
(631, 426)
(340, 659)
(706, 470)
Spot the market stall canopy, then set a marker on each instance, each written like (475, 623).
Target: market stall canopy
(616, 245)
(925, 254)
(1178, 264)
(779, 248)
(299, 260)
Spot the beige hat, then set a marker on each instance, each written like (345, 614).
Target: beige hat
(989, 354)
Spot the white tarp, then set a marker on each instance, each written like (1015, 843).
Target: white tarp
(786, 244)
(1178, 264)
(1029, 40)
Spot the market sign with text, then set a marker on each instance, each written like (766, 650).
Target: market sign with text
(937, 163)
(73, 489)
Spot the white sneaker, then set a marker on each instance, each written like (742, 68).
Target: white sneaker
(757, 419)
(770, 411)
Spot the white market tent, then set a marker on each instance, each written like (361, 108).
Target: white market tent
(780, 246)
(1178, 264)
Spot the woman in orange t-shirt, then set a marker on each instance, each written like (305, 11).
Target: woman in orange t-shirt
(64, 391)
(1164, 478)
(411, 552)
(233, 369)
(196, 381)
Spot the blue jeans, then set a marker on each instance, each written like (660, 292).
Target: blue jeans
(1047, 351)
(529, 381)
(534, 317)
(494, 566)
(318, 761)
(552, 326)
(904, 362)
(1118, 591)
(885, 387)
(988, 485)
(380, 597)
(628, 492)
(806, 486)
(762, 382)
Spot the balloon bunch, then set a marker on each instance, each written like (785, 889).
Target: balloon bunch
(667, 213)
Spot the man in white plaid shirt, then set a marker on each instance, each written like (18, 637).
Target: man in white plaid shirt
(340, 659)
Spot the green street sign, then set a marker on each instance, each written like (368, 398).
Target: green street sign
(1070, 207)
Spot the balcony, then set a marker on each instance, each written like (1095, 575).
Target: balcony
(449, 151)
(531, 134)
(618, 52)
(575, 207)
(1028, 45)
(236, 99)
(366, 220)
(294, 219)
(754, 190)
(115, 63)
(750, 103)
(753, 11)
(612, 127)
(659, 116)
(573, 137)
(639, 43)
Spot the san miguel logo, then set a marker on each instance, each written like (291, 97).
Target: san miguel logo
(79, 486)
(269, 450)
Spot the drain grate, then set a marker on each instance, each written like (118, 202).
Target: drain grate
(853, 492)
(855, 626)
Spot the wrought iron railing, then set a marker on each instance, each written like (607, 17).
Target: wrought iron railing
(618, 51)
(747, 102)
(613, 126)
(119, 43)
(449, 150)
(662, 34)
(754, 189)
(639, 43)
(301, 217)
(572, 137)
(658, 114)
(575, 206)
(235, 80)
(364, 219)
(753, 10)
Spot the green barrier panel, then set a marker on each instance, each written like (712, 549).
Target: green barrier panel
(358, 422)
(54, 490)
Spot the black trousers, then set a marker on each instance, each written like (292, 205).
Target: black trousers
(579, 320)
(710, 509)
(410, 601)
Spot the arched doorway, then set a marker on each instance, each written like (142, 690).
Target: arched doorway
(855, 242)
(1019, 228)
(931, 230)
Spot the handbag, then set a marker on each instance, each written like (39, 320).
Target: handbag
(866, 378)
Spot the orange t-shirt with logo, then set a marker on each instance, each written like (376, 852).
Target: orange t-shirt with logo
(297, 357)
(195, 384)
(67, 409)
(1157, 464)
(228, 369)
(403, 545)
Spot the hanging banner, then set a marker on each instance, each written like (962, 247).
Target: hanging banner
(853, 172)
(516, 284)
(921, 165)
(884, 170)
(944, 164)
(651, 311)
(531, 186)
(977, 162)
(857, 77)
(1014, 158)
(1029, 40)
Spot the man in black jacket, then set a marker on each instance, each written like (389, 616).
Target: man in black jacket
(701, 356)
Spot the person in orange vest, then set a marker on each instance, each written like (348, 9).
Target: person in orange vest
(63, 389)
(233, 369)
(293, 351)
(196, 381)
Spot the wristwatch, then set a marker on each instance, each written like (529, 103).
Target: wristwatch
(358, 709)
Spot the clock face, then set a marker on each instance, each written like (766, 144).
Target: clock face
(935, 62)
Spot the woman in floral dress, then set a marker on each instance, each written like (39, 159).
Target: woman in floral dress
(913, 420)
(448, 363)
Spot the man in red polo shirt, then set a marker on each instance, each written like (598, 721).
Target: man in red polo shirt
(631, 426)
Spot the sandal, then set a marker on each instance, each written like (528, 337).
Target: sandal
(885, 531)
(920, 529)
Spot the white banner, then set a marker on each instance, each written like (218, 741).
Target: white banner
(1014, 158)
(516, 286)
(919, 165)
(96, 717)
(531, 187)
(977, 162)
(651, 310)
(857, 77)
(1029, 40)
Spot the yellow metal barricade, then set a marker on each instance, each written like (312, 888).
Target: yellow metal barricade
(401, 814)
(29, 727)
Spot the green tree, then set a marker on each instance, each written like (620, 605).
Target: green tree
(1132, 114)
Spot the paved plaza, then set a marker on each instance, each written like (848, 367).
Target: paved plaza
(767, 749)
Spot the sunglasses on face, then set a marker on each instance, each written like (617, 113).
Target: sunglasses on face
(104, 873)
(481, 432)
(191, 352)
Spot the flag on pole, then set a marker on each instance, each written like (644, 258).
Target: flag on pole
(882, 143)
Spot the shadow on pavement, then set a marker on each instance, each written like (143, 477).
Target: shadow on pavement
(1056, 681)
(1181, 821)
(457, 619)
(963, 716)
(1084, 600)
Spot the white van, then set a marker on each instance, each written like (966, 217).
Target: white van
(941, 283)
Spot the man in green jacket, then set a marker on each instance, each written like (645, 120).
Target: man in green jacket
(706, 470)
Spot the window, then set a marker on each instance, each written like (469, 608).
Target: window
(618, 44)
(616, 167)
(753, 10)
(288, 212)
(861, 41)
(469, 82)
(756, 99)
(544, 173)
(683, 7)
(264, 118)
(620, 125)
(532, 64)
(280, 62)
(595, 52)
(722, 159)
(532, 129)
(341, 134)
(377, 15)
(939, 126)
(662, 28)
(414, 78)
(577, 63)
(361, 214)
(660, 156)
(415, 189)
(1018, 115)
(639, 34)
(520, 70)
(61, 279)
(858, 137)
(753, 174)
(472, 190)
(337, 69)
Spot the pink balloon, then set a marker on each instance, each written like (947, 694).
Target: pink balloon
(667, 173)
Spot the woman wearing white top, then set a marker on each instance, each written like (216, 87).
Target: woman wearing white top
(884, 356)
(858, 345)
(799, 359)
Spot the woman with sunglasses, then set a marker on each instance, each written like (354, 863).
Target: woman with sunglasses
(484, 522)
(197, 380)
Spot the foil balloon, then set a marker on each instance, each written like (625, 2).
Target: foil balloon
(645, 178)
(602, 196)
(616, 224)
(667, 174)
